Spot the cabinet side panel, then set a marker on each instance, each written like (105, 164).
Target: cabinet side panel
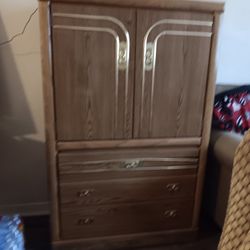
(44, 13)
(207, 120)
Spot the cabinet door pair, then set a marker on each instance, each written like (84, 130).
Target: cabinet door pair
(124, 73)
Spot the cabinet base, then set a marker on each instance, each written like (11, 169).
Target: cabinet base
(128, 241)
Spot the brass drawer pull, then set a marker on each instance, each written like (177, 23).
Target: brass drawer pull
(170, 213)
(85, 221)
(174, 187)
(85, 193)
(132, 164)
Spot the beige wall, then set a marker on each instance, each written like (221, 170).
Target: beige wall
(22, 159)
(234, 44)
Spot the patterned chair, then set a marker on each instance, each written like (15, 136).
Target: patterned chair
(236, 230)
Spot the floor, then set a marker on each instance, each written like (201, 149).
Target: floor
(37, 233)
(37, 236)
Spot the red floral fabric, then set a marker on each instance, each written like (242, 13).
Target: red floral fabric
(232, 110)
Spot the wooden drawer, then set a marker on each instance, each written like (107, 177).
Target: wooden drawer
(176, 152)
(107, 220)
(126, 190)
(92, 171)
(79, 166)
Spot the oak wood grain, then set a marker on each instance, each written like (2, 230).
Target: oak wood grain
(68, 176)
(128, 154)
(94, 99)
(125, 218)
(126, 190)
(168, 142)
(109, 165)
(170, 99)
(104, 165)
(190, 5)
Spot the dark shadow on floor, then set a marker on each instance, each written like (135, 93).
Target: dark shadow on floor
(37, 233)
(37, 236)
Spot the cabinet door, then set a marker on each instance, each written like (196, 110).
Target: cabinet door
(93, 71)
(172, 64)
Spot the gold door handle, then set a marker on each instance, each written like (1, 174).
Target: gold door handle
(149, 57)
(123, 56)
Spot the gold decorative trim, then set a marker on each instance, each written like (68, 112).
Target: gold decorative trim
(154, 168)
(180, 160)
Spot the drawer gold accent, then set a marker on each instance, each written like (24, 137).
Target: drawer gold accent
(85, 193)
(170, 213)
(173, 187)
(85, 221)
(132, 164)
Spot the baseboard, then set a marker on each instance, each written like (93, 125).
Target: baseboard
(26, 209)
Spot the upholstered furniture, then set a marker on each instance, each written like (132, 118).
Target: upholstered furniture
(223, 146)
(236, 230)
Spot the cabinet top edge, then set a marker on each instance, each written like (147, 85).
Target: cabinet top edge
(189, 5)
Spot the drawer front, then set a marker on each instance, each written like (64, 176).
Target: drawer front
(126, 190)
(90, 171)
(179, 152)
(107, 220)
(107, 164)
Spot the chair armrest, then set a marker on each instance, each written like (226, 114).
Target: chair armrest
(224, 145)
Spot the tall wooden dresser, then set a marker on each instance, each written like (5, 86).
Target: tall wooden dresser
(128, 89)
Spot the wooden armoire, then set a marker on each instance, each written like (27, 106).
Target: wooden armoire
(128, 89)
